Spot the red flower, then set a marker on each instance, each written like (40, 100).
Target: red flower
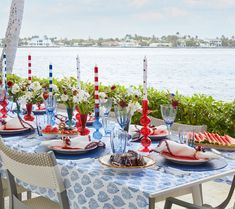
(0, 82)
(45, 95)
(175, 103)
(123, 104)
(113, 87)
(10, 84)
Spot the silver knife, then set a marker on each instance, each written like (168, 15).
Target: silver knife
(225, 155)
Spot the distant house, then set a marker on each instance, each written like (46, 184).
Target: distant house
(40, 42)
(128, 44)
(211, 43)
(160, 45)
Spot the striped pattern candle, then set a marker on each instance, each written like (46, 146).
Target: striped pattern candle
(4, 71)
(50, 80)
(29, 69)
(96, 92)
(78, 72)
(145, 68)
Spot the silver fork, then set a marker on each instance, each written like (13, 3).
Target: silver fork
(172, 171)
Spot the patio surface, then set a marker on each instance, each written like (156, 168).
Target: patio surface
(214, 193)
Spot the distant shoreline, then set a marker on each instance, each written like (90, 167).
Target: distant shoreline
(118, 47)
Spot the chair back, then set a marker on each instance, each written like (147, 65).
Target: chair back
(39, 169)
(178, 126)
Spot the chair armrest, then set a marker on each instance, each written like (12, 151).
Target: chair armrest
(170, 201)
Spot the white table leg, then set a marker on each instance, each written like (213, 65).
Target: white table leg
(197, 195)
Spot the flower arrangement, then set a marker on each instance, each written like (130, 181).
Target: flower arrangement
(84, 101)
(129, 100)
(68, 95)
(32, 94)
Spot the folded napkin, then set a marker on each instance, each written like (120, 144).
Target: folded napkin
(183, 151)
(16, 123)
(79, 142)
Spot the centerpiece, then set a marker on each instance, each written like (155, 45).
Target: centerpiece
(32, 95)
(84, 104)
(67, 96)
(126, 105)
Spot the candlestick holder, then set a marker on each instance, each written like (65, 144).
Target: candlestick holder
(4, 104)
(145, 131)
(97, 125)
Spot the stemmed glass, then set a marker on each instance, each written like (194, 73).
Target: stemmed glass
(168, 114)
(50, 104)
(105, 107)
(123, 116)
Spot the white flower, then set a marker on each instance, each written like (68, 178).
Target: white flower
(35, 86)
(15, 89)
(133, 107)
(133, 92)
(103, 97)
(54, 88)
(83, 96)
(76, 99)
(26, 98)
(64, 97)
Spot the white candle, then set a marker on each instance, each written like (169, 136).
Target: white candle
(4, 71)
(78, 72)
(145, 67)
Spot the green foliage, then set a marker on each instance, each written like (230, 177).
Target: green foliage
(198, 109)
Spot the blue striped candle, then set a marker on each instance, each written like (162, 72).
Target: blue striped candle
(4, 71)
(50, 80)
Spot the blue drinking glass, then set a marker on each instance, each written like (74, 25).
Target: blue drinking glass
(118, 140)
(168, 114)
(123, 116)
(50, 104)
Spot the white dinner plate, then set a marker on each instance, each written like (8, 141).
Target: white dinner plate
(105, 161)
(184, 161)
(78, 145)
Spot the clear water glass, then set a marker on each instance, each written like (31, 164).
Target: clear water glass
(41, 122)
(123, 116)
(168, 114)
(186, 136)
(118, 140)
(108, 126)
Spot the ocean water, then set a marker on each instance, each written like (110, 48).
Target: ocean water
(207, 71)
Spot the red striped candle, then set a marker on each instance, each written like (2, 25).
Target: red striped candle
(96, 92)
(29, 69)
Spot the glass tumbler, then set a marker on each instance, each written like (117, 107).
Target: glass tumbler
(118, 140)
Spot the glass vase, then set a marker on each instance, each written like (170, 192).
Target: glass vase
(70, 121)
(82, 130)
(29, 116)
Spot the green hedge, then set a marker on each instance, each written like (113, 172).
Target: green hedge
(198, 109)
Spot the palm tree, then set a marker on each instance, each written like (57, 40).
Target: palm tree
(12, 33)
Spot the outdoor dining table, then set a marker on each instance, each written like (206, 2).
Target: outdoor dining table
(89, 185)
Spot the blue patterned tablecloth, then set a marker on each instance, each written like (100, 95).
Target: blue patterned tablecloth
(91, 186)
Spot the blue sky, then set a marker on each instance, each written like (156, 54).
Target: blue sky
(115, 18)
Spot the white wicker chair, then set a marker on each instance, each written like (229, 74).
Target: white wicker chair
(39, 169)
(177, 126)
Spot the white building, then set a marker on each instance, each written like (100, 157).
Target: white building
(211, 43)
(43, 42)
(160, 45)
